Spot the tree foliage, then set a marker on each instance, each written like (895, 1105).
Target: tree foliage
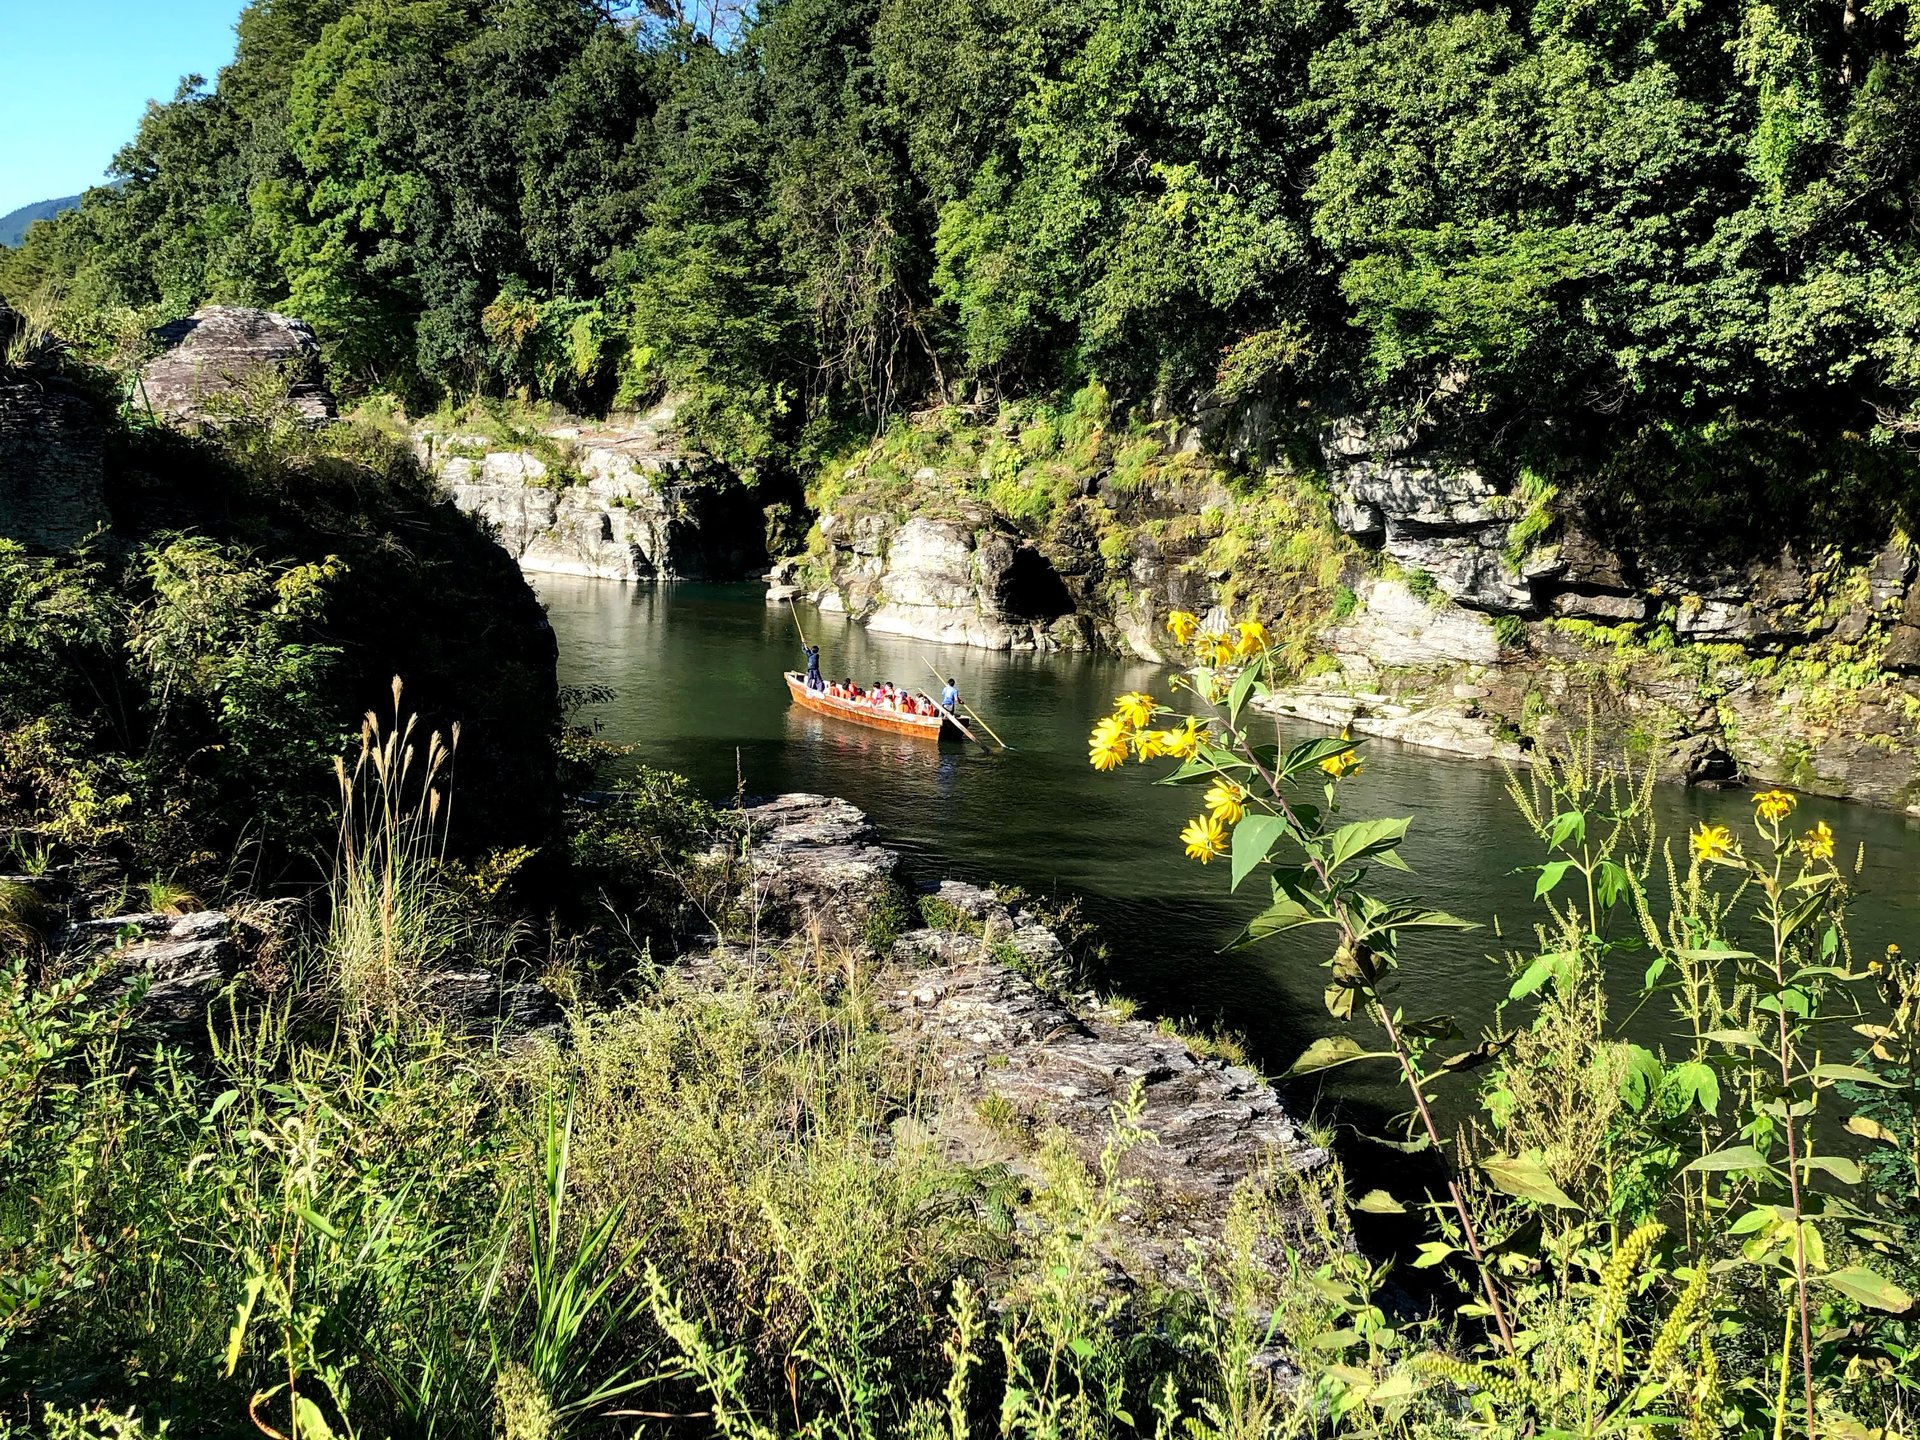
(1629, 228)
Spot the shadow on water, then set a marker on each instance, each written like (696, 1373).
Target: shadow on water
(697, 670)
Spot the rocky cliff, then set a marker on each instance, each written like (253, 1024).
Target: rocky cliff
(1419, 593)
(964, 578)
(621, 500)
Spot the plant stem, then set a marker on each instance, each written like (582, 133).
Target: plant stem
(1364, 958)
(1793, 1163)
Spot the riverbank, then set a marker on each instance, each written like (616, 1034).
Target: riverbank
(854, 1117)
(1415, 598)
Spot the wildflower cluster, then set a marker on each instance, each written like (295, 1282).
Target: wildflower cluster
(1717, 844)
(1129, 731)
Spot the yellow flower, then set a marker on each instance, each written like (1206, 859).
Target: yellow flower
(1817, 843)
(1205, 838)
(1134, 708)
(1713, 842)
(1181, 624)
(1184, 743)
(1253, 637)
(1215, 647)
(1147, 744)
(1227, 802)
(1107, 746)
(1346, 763)
(1774, 805)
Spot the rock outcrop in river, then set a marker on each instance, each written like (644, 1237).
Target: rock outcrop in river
(983, 991)
(959, 575)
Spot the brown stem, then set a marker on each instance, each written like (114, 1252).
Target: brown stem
(1453, 1185)
(1793, 1180)
(1362, 956)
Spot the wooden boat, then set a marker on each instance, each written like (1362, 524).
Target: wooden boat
(924, 727)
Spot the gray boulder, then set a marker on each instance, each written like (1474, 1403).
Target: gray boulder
(222, 351)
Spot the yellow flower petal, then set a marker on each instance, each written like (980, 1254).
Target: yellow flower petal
(1205, 838)
(1227, 802)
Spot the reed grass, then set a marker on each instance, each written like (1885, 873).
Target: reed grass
(391, 919)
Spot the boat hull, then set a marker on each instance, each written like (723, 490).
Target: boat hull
(934, 728)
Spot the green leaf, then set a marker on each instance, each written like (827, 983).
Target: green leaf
(1644, 1073)
(1857, 1282)
(1734, 1157)
(1363, 838)
(1379, 1202)
(1611, 881)
(1406, 917)
(1310, 753)
(1542, 969)
(1571, 825)
(243, 1316)
(1551, 874)
(308, 1421)
(1332, 1051)
(318, 1221)
(221, 1102)
(1285, 913)
(1242, 686)
(1838, 1166)
(1199, 768)
(1525, 1177)
(1432, 1252)
(1695, 1083)
(1253, 840)
(1856, 1073)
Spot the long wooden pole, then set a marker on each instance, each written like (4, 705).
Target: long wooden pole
(971, 715)
(794, 610)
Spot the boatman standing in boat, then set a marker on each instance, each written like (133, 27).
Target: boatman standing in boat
(814, 682)
(950, 697)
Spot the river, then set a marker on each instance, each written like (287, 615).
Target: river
(696, 674)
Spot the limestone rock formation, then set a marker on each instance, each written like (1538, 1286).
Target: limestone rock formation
(1427, 510)
(624, 500)
(983, 993)
(222, 351)
(964, 578)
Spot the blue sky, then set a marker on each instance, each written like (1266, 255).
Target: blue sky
(75, 76)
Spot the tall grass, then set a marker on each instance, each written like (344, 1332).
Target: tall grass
(390, 918)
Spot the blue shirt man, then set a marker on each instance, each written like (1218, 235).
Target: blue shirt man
(814, 682)
(950, 697)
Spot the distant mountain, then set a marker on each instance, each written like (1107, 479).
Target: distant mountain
(14, 224)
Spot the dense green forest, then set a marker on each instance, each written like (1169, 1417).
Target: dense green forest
(1664, 239)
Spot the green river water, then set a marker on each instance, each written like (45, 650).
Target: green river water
(696, 670)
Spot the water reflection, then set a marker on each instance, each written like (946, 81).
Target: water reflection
(697, 670)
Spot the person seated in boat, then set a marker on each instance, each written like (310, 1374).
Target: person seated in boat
(923, 704)
(950, 697)
(814, 682)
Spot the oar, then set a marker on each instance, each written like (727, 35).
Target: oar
(794, 610)
(970, 715)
